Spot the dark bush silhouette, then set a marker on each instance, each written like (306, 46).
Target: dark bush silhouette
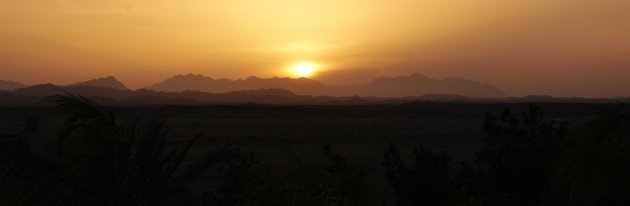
(518, 158)
(469, 184)
(250, 183)
(427, 182)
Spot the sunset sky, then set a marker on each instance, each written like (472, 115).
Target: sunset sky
(557, 47)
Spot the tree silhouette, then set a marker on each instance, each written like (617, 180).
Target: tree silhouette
(595, 168)
(426, 183)
(100, 162)
(518, 158)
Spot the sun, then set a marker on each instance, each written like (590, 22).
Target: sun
(305, 69)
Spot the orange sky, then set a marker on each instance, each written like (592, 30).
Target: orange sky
(558, 47)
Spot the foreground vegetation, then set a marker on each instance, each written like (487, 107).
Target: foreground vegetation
(527, 160)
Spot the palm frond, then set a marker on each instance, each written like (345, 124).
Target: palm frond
(196, 169)
(593, 170)
(178, 159)
(28, 177)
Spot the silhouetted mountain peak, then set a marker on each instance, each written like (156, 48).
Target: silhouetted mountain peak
(40, 90)
(418, 76)
(10, 85)
(412, 85)
(460, 80)
(253, 78)
(109, 82)
(412, 78)
(417, 85)
(191, 75)
(180, 83)
(408, 80)
(41, 86)
(44, 90)
(266, 92)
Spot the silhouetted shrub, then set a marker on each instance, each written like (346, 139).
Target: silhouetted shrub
(469, 184)
(250, 183)
(427, 182)
(518, 158)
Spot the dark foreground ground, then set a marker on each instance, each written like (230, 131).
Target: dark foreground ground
(359, 133)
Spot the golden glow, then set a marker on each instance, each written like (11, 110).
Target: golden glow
(504, 43)
(304, 69)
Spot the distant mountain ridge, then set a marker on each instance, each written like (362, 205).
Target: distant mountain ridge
(144, 96)
(198, 82)
(10, 85)
(419, 85)
(44, 90)
(110, 82)
(412, 85)
(110, 96)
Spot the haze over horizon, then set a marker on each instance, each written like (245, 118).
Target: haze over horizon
(554, 47)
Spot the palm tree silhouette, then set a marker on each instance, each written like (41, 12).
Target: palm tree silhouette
(594, 169)
(98, 161)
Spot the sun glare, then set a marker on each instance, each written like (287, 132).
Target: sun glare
(304, 69)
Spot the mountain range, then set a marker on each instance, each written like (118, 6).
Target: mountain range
(419, 85)
(412, 85)
(35, 94)
(10, 85)
(110, 91)
(109, 81)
